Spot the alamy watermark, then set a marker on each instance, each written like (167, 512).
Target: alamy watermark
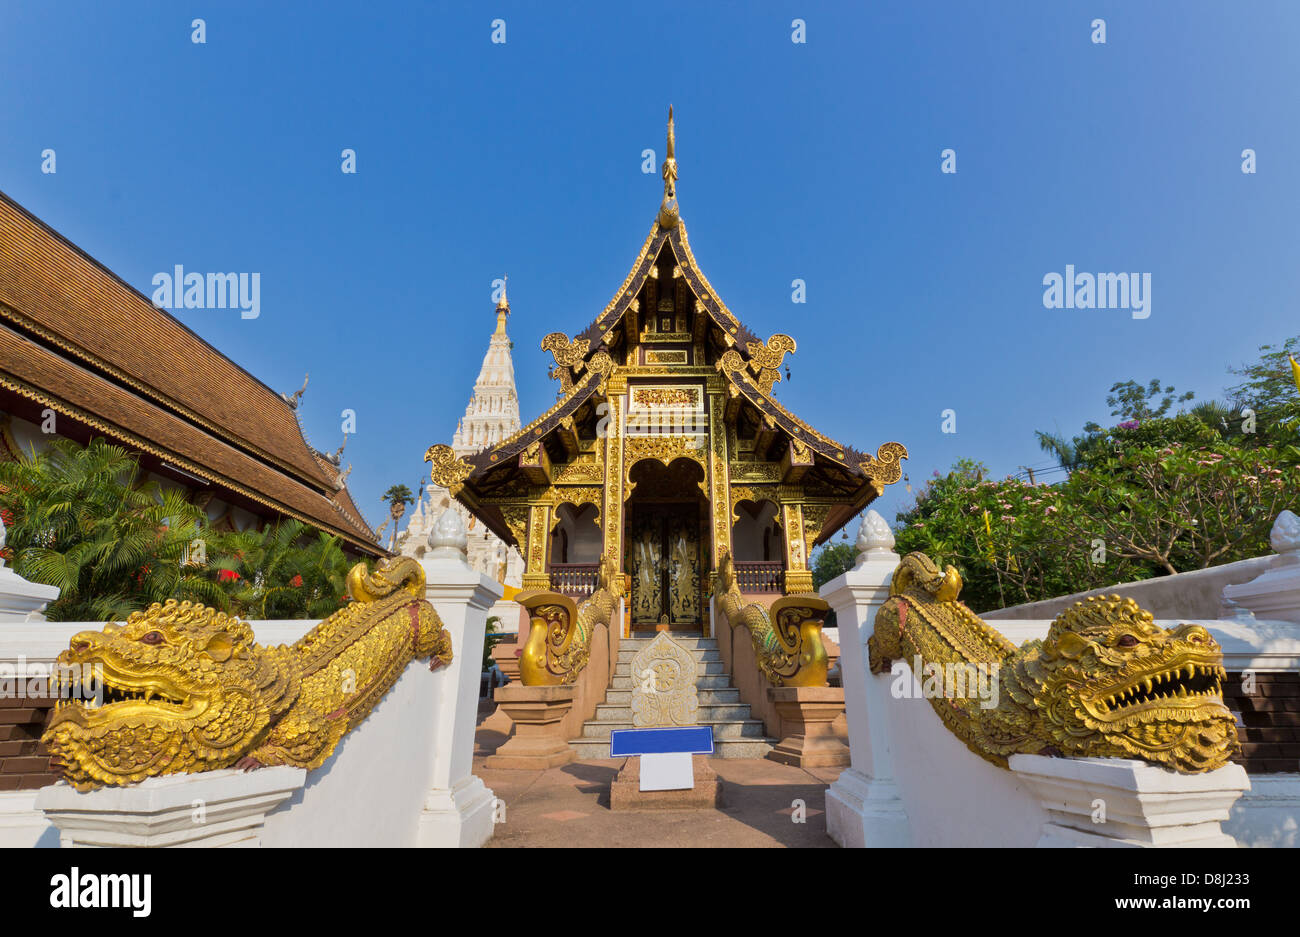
(958, 680)
(181, 290)
(56, 681)
(1098, 291)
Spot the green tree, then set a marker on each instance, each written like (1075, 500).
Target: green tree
(1132, 401)
(80, 518)
(1182, 508)
(1268, 390)
(833, 559)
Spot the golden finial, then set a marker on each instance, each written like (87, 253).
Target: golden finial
(668, 210)
(503, 307)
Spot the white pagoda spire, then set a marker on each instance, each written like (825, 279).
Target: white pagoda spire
(493, 411)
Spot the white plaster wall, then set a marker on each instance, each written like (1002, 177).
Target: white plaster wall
(369, 792)
(747, 534)
(951, 795)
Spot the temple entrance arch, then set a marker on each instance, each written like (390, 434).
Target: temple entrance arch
(666, 543)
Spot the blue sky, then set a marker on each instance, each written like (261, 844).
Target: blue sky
(818, 161)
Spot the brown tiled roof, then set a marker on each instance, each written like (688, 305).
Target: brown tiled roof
(76, 334)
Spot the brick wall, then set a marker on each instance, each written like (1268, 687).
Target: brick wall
(1268, 721)
(24, 762)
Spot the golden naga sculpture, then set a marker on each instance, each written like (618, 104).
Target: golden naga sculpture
(559, 638)
(186, 689)
(787, 638)
(1106, 682)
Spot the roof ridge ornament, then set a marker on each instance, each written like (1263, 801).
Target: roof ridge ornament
(293, 399)
(668, 216)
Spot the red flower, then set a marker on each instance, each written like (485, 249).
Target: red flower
(227, 575)
(296, 581)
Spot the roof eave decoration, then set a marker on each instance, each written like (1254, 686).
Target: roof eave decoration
(446, 468)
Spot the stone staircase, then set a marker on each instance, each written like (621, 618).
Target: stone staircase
(735, 733)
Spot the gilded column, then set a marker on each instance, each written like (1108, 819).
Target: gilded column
(539, 526)
(720, 482)
(614, 482)
(798, 577)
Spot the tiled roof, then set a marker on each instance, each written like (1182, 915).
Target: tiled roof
(80, 336)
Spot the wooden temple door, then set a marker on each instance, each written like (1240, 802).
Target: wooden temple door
(664, 560)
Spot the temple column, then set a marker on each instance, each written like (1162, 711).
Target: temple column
(614, 485)
(719, 486)
(539, 530)
(798, 577)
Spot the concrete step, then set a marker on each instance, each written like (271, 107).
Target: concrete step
(703, 668)
(721, 693)
(625, 653)
(730, 729)
(716, 681)
(639, 643)
(721, 712)
(722, 748)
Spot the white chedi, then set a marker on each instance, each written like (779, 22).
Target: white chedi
(491, 417)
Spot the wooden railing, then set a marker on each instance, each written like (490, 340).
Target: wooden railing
(576, 580)
(759, 575)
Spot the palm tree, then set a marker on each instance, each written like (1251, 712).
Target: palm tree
(1214, 414)
(398, 497)
(277, 572)
(1057, 446)
(83, 521)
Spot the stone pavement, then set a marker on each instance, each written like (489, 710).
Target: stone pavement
(569, 806)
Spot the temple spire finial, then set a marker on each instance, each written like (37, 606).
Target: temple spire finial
(503, 307)
(668, 216)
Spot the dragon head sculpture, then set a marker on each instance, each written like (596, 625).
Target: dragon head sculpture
(183, 687)
(1113, 683)
(1106, 681)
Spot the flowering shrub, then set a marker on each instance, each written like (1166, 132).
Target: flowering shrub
(1137, 512)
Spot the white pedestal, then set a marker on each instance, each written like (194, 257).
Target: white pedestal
(458, 811)
(863, 806)
(461, 817)
(1138, 805)
(215, 808)
(866, 813)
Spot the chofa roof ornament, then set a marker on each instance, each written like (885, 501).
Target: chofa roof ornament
(668, 216)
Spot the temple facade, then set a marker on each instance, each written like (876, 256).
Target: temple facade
(665, 452)
(491, 417)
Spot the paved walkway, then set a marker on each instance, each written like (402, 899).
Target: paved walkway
(569, 806)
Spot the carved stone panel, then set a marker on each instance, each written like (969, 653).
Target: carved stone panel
(663, 685)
